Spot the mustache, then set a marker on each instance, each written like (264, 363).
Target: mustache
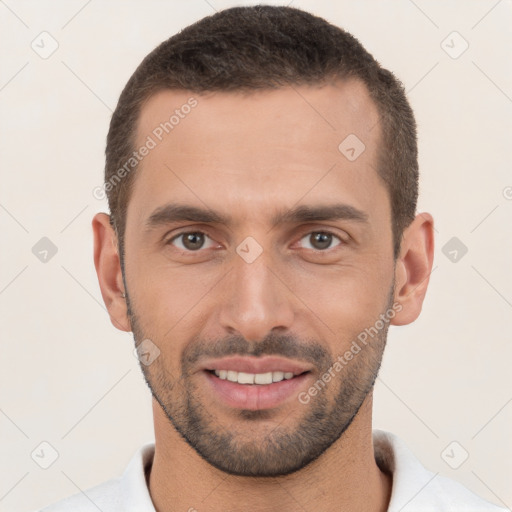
(274, 344)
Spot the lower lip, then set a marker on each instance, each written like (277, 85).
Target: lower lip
(255, 397)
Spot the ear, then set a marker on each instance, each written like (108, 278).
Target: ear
(108, 269)
(413, 268)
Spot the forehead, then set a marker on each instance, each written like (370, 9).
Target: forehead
(252, 150)
(293, 112)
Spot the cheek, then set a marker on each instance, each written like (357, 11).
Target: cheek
(169, 302)
(339, 299)
(345, 300)
(351, 281)
(166, 289)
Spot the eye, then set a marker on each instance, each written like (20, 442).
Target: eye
(321, 240)
(194, 241)
(191, 241)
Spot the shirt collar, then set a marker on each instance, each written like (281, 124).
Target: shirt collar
(134, 489)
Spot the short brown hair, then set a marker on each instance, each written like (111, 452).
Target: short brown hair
(265, 47)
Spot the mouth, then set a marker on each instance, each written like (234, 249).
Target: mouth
(255, 383)
(260, 379)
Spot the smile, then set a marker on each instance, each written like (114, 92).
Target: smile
(253, 378)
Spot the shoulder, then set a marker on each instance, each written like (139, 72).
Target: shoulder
(105, 496)
(126, 493)
(453, 495)
(416, 489)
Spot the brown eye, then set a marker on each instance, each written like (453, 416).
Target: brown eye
(190, 241)
(321, 240)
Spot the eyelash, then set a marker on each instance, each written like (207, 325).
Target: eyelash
(323, 231)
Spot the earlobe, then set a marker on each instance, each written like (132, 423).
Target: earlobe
(108, 270)
(413, 268)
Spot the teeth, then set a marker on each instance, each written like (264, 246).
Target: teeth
(277, 376)
(263, 378)
(245, 378)
(253, 378)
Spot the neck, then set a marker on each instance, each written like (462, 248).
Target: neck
(345, 477)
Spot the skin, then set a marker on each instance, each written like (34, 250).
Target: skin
(249, 156)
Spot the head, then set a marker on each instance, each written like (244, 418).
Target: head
(262, 178)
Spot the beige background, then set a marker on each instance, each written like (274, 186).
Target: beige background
(70, 378)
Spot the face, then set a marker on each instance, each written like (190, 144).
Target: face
(256, 254)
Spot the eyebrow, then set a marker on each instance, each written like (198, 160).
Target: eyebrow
(173, 212)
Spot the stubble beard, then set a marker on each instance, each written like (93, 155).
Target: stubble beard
(258, 443)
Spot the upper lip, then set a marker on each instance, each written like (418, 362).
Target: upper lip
(256, 364)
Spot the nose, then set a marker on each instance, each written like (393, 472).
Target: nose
(257, 299)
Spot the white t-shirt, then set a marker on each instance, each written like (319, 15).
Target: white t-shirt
(415, 489)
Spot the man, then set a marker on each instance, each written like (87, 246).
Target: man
(262, 178)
